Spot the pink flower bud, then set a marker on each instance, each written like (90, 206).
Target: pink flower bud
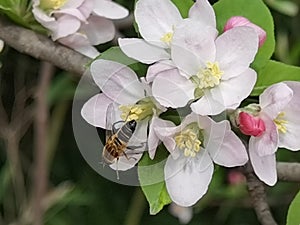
(237, 21)
(251, 125)
(235, 177)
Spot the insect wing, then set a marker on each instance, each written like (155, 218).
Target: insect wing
(109, 120)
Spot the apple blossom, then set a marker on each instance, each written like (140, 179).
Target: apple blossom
(212, 71)
(156, 20)
(279, 108)
(237, 21)
(251, 125)
(79, 24)
(194, 145)
(131, 100)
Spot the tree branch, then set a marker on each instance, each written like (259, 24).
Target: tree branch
(258, 197)
(288, 171)
(41, 47)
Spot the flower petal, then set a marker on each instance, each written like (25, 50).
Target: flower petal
(117, 81)
(264, 166)
(98, 30)
(109, 9)
(234, 90)
(224, 147)
(186, 184)
(95, 109)
(158, 67)
(275, 98)
(203, 12)
(65, 26)
(142, 51)
(236, 49)
(267, 143)
(155, 18)
(171, 89)
(80, 43)
(126, 163)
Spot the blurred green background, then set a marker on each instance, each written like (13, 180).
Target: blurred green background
(76, 193)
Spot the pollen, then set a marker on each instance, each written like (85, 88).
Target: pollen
(167, 38)
(52, 4)
(139, 111)
(208, 77)
(281, 123)
(188, 142)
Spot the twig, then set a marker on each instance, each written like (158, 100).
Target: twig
(40, 154)
(288, 171)
(41, 47)
(258, 197)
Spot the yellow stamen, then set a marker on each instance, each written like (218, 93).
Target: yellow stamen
(188, 141)
(52, 4)
(167, 38)
(281, 123)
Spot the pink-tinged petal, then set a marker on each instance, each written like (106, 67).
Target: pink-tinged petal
(264, 166)
(86, 8)
(295, 101)
(199, 47)
(95, 109)
(66, 25)
(155, 18)
(171, 89)
(236, 49)
(98, 30)
(224, 147)
(165, 133)
(80, 43)
(109, 9)
(117, 81)
(186, 181)
(71, 12)
(237, 21)
(142, 51)
(236, 89)
(203, 12)
(153, 138)
(267, 143)
(251, 125)
(291, 139)
(275, 98)
(207, 105)
(158, 67)
(72, 4)
(47, 21)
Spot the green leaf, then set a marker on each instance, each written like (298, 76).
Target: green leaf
(116, 54)
(183, 6)
(151, 176)
(275, 72)
(258, 13)
(293, 217)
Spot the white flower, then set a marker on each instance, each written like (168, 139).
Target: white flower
(79, 24)
(156, 20)
(194, 145)
(279, 109)
(213, 71)
(131, 99)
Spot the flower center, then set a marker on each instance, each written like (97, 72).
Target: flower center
(188, 140)
(281, 123)
(139, 111)
(52, 4)
(208, 77)
(167, 38)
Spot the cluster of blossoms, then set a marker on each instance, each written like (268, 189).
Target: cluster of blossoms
(193, 66)
(79, 24)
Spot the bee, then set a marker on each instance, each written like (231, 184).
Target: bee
(117, 141)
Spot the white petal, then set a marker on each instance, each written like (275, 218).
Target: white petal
(86, 8)
(155, 18)
(80, 43)
(117, 81)
(98, 30)
(267, 143)
(186, 184)
(126, 163)
(142, 51)
(66, 25)
(207, 105)
(192, 49)
(158, 67)
(275, 98)
(264, 166)
(73, 4)
(95, 109)
(171, 89)
(225, 148)
(71, 12)
(109, 9)
(139, 137)
(203, 12)
(236, 49)
(236, 89)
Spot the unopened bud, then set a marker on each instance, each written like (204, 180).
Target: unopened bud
(251, 125)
